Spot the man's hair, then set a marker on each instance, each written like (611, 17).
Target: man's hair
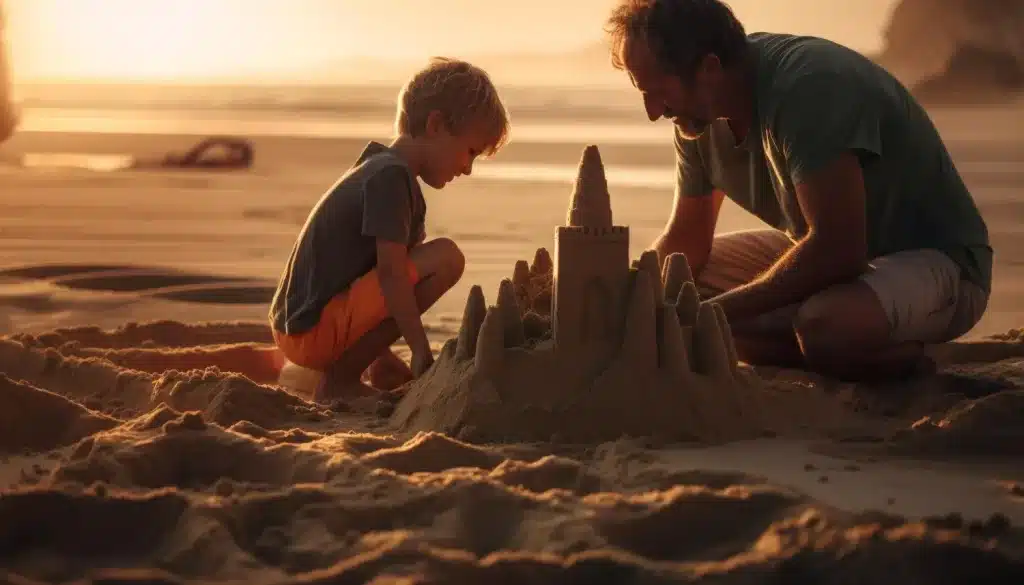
(464, 95)
(679, 33)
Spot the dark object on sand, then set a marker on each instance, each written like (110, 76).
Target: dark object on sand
(216, 152)
(213, 153)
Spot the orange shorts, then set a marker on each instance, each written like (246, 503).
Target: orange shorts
(347, 317)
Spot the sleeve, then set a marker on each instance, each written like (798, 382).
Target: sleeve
(387, 205)
(692, 179)
(819, 118)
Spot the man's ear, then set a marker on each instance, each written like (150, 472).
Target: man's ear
(710, 67)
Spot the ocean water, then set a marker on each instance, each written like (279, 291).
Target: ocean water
(967, 127)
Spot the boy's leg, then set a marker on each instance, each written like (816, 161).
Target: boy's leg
(439, 264)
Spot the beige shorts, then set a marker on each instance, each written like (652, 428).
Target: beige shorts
(921, 291)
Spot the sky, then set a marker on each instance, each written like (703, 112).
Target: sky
(164, 39)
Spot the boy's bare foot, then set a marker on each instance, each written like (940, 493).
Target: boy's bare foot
(388, 372)
(331, 388)
(275, 359)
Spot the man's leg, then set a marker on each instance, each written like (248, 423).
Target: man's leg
(737, 258)
(877, 326)
(440, 265)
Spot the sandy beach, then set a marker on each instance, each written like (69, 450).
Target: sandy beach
(128, 457)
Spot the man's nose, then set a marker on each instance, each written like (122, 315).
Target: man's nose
(655, 108)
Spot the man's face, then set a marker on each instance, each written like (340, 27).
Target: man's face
(666, 96)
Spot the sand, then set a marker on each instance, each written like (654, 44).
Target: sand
(145, 439)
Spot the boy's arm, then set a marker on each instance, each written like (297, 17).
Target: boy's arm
(387, 217)
(392, 269)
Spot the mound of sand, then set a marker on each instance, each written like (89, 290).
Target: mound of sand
(187, 499)
(99, 384)
(127, 476)
(24, 406)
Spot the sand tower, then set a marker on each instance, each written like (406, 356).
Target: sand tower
(9, 112)
(588, 347)
(591, 270)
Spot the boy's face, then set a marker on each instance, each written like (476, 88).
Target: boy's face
(451, 155)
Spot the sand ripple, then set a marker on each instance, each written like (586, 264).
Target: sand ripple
(161, 475)
(169, 491)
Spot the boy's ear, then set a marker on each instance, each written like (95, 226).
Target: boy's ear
(435, 123)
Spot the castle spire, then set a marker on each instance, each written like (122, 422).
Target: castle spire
(591, 205)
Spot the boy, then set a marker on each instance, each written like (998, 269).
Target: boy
(361, 273)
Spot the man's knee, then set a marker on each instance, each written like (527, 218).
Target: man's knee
(817, 329)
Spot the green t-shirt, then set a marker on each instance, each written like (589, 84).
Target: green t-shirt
(815, 99)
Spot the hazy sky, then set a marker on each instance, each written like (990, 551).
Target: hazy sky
(165, 38)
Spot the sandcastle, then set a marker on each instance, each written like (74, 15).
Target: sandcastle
(589, 347)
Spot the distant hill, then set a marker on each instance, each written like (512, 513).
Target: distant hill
(957, 50)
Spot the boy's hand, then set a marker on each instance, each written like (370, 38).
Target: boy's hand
(421, 362)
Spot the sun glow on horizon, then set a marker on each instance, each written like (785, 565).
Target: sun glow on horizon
(160, 39)
(316, 40)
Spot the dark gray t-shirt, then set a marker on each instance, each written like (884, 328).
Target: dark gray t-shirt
(378, 197)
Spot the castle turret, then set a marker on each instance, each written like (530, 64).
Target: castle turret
(591, 204)
(591, 272)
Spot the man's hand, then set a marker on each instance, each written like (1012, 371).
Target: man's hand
(834, 250)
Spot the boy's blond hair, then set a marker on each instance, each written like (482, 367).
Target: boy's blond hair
(463, 93)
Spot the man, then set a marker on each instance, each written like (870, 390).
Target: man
(876, 246)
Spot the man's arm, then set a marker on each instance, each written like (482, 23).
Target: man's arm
(834, 249)
(387, 217)
(691, 226)
(824, 128)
